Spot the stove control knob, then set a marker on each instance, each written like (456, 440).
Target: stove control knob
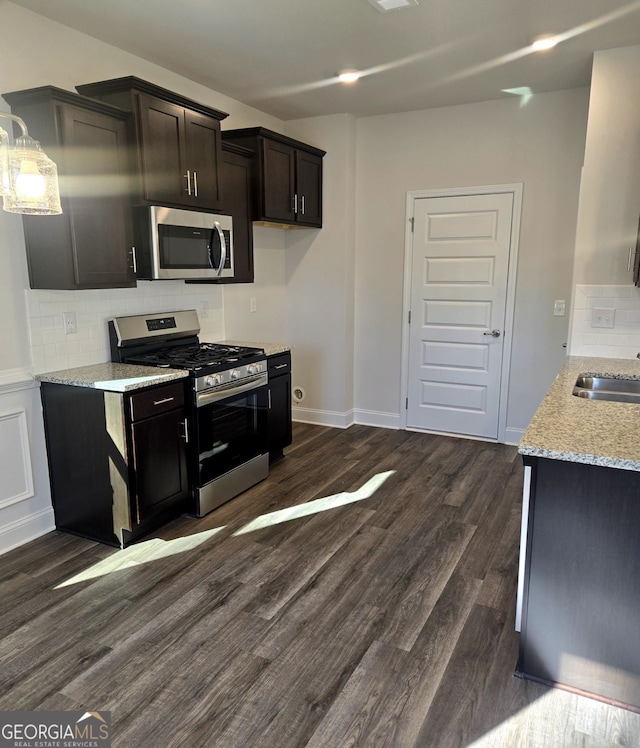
(235, 374)
(209, 381)
(251, 369)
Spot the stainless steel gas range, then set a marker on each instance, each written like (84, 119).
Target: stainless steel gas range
(227, 412)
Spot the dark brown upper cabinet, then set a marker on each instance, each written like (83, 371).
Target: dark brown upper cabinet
(236, 174)
(90, 244)
(287, 180)
(177, 142)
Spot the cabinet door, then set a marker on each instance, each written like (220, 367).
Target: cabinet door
(279, 415)
(203, 156)
(309, 188)
(236, 178)
(278, 167)
(162, 151)
(160, 463)
(95, 179)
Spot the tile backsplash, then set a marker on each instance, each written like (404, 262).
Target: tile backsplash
(52, 349)
(620, 341)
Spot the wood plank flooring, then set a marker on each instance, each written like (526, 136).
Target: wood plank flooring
(384, 620)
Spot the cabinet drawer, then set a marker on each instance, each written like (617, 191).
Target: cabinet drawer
(279, 365)
(157, 400)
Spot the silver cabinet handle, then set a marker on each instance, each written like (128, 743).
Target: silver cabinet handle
(195, 183)
(302, 201)
(295, 204)
(269, 399)
(161, 402)
(186, 430)
(134, 262)
(493, 333)
(187, 176)
(281, 366)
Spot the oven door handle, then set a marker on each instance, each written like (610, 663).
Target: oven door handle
(223, 247)
(205, 398)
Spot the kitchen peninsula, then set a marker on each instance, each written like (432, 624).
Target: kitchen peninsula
(579, 580)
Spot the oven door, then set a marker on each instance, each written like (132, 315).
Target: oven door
(231, 430)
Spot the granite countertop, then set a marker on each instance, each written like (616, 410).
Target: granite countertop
(575, 429)
(270, 349)
(112, 377)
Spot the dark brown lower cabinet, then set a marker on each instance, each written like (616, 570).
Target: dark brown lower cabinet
(581, 603)
(117, 461)
(279, 421)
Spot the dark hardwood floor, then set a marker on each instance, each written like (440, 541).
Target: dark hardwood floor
(382, 616)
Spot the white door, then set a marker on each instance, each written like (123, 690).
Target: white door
(460, 268)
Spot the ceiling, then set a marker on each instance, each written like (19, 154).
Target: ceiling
(282, 56)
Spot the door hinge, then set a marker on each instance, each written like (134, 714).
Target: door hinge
(409, 320)
(406, 403)
(412, 220)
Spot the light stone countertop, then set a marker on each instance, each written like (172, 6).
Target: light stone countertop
(270, 349)
(112, 377)
(594, 432)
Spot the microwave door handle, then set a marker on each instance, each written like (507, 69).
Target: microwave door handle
(223, 247)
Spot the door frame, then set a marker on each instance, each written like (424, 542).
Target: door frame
(516, 190)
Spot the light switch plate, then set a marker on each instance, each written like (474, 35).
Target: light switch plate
(601, 317)
(559, 307)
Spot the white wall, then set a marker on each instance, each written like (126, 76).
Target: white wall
(320, 280)
(608, 211)
(610, 184)
(540, 144)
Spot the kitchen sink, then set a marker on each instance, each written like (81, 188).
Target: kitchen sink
(607, 388)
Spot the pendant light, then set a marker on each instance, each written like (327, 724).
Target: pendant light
(28, 177)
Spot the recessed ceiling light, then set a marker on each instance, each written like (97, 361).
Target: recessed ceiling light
(546, 42)
(349, 76)
(384, 5)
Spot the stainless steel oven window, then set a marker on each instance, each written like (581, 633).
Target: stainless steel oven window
(230, 432)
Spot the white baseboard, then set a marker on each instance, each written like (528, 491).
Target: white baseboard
(513, 436)
(323, 417)
(25, 529)
(377, 418)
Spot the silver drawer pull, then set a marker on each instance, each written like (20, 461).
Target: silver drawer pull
(281, 366)
(161, 402)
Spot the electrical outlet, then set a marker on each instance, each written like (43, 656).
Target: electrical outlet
(559, 308)
(603, 317)
(70, 323)
(204, 308)
(252, 304)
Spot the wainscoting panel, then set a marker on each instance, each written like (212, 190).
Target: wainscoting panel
(15, 458)
(25, 497)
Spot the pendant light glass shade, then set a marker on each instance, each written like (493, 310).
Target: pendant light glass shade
(28, 177)
(33, 179)
(5, 182)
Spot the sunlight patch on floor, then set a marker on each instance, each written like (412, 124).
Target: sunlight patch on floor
(141, 553)
(316, 506)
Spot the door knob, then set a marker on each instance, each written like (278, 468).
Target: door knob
(493, 333)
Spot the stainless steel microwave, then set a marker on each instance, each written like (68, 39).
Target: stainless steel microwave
(172, 244)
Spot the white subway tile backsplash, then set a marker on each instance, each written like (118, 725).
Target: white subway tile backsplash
(51, 349)
(621, 341)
